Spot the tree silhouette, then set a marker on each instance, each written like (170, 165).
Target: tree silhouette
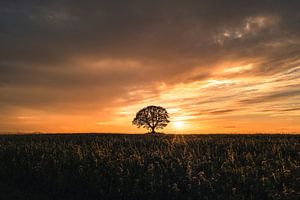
(151, 118)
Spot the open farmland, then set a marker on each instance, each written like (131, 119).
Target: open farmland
(150, 167)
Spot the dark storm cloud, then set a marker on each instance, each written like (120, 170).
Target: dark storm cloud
(37, 31)
(43, 43)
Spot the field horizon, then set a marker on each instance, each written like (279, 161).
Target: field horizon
(143, 100)
(145, 166)
(133, 134)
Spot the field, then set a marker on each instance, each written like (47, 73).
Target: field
(150, 167)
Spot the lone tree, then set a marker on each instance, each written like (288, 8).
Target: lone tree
(151, 118)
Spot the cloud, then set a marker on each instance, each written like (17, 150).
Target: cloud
(100, 56)
(273, 97)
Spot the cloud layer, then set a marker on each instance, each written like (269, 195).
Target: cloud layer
(88, 66)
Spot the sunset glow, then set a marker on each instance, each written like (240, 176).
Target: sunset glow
(91, 68)
(178, 124)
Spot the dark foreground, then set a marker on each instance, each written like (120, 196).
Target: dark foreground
(150, 167)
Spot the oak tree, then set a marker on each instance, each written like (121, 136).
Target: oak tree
(151, 118)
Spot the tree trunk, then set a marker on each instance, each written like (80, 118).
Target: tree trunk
(152, 130)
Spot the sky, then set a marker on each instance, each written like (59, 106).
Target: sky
(88, 66)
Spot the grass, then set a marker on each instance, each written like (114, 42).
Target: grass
(150, 167)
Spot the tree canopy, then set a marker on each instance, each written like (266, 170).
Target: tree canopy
(151, 118)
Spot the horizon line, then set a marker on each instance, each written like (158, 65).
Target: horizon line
(119, 133)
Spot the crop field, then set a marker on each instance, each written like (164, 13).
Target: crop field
(150, 167)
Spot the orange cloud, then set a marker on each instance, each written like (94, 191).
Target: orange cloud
(90, 66)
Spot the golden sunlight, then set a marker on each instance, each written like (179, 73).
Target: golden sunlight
(178, 124)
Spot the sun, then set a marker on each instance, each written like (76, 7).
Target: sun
(178, 124)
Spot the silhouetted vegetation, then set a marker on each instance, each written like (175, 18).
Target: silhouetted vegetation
(151, 118)
(149, 167)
